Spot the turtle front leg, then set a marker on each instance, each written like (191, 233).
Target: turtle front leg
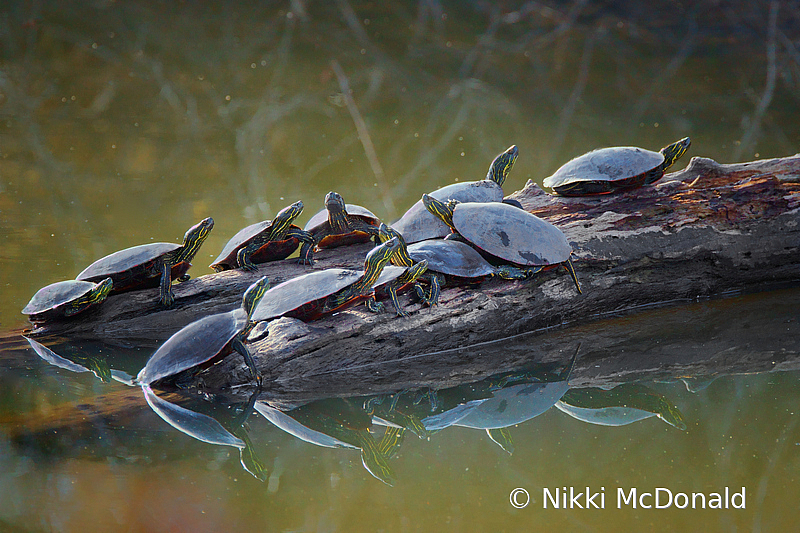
(430, 298)
(307, 248)
(374, 305)
(393, 295)
(167, 298)
(243, 258)
(571, 269)
(241, 349)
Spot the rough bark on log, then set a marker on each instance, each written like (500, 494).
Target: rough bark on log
(705, 231)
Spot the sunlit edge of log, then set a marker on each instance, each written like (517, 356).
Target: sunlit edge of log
(701, 232)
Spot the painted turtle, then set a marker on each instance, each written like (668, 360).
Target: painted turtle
(613, 169)
(506, 235)
(321, 293)
(269, 240)
(65, 299)
(150, 265)
(337, 225)
(206, 339)
(450, 263)
(417, 224)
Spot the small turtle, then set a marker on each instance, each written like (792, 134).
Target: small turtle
(321, 293)
(209, 338)
(614, 169)
(506, 235)
(417, 224)
(269, 240)
(150, 265)
(450, 263)
(65, 299)
(394, 280)
(337, 225)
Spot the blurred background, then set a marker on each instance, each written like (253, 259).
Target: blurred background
(126, 122)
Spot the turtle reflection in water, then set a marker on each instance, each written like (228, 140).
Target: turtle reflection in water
(337, 423)
(150, 265)
(208, 429)
(624, 404)
(207, 339)
(417, 224)
(614, 169)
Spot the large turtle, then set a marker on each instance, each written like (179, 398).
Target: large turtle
(206, 339)
(613, 169)
(321, 293)
(506, 235)
(418, 224)
(450, 262)
(150, 265)
(269, 240)
(65, 299)
(337, 225)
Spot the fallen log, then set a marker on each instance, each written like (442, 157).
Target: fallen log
(706, 231)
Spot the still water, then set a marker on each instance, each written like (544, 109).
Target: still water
(122, 124)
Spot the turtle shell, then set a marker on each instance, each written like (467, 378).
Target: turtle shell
(134, 267)
(195, 344)
(299, 297)
(417, 224)
(511, 234)
(449, 257)
(605, 416)
(270, 251)
(515, 404)
(606, 169)
(302, 432)
(57, 294)
(353, 210)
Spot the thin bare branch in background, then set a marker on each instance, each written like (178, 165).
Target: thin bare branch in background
(568, 110)
(667, 72)
(363, 135)
(769, 88)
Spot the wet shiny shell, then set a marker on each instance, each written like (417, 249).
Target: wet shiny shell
(295, 292)
(196, 343)
(125, 260)
(606, 416)
(55, 294)
(511, 234)
(451, 257)
(606, 164)
(417, 224)
(271, 251)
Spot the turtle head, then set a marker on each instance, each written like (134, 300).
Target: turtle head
(378, 257)
(670, 414)
(334, 202)
(401, 257)
(194, 238)
(441, 210)
(502, 164)
(415, 271)
(253, 295)
(337, 212)
(101, 290)
(285, 217)
(675, 151)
